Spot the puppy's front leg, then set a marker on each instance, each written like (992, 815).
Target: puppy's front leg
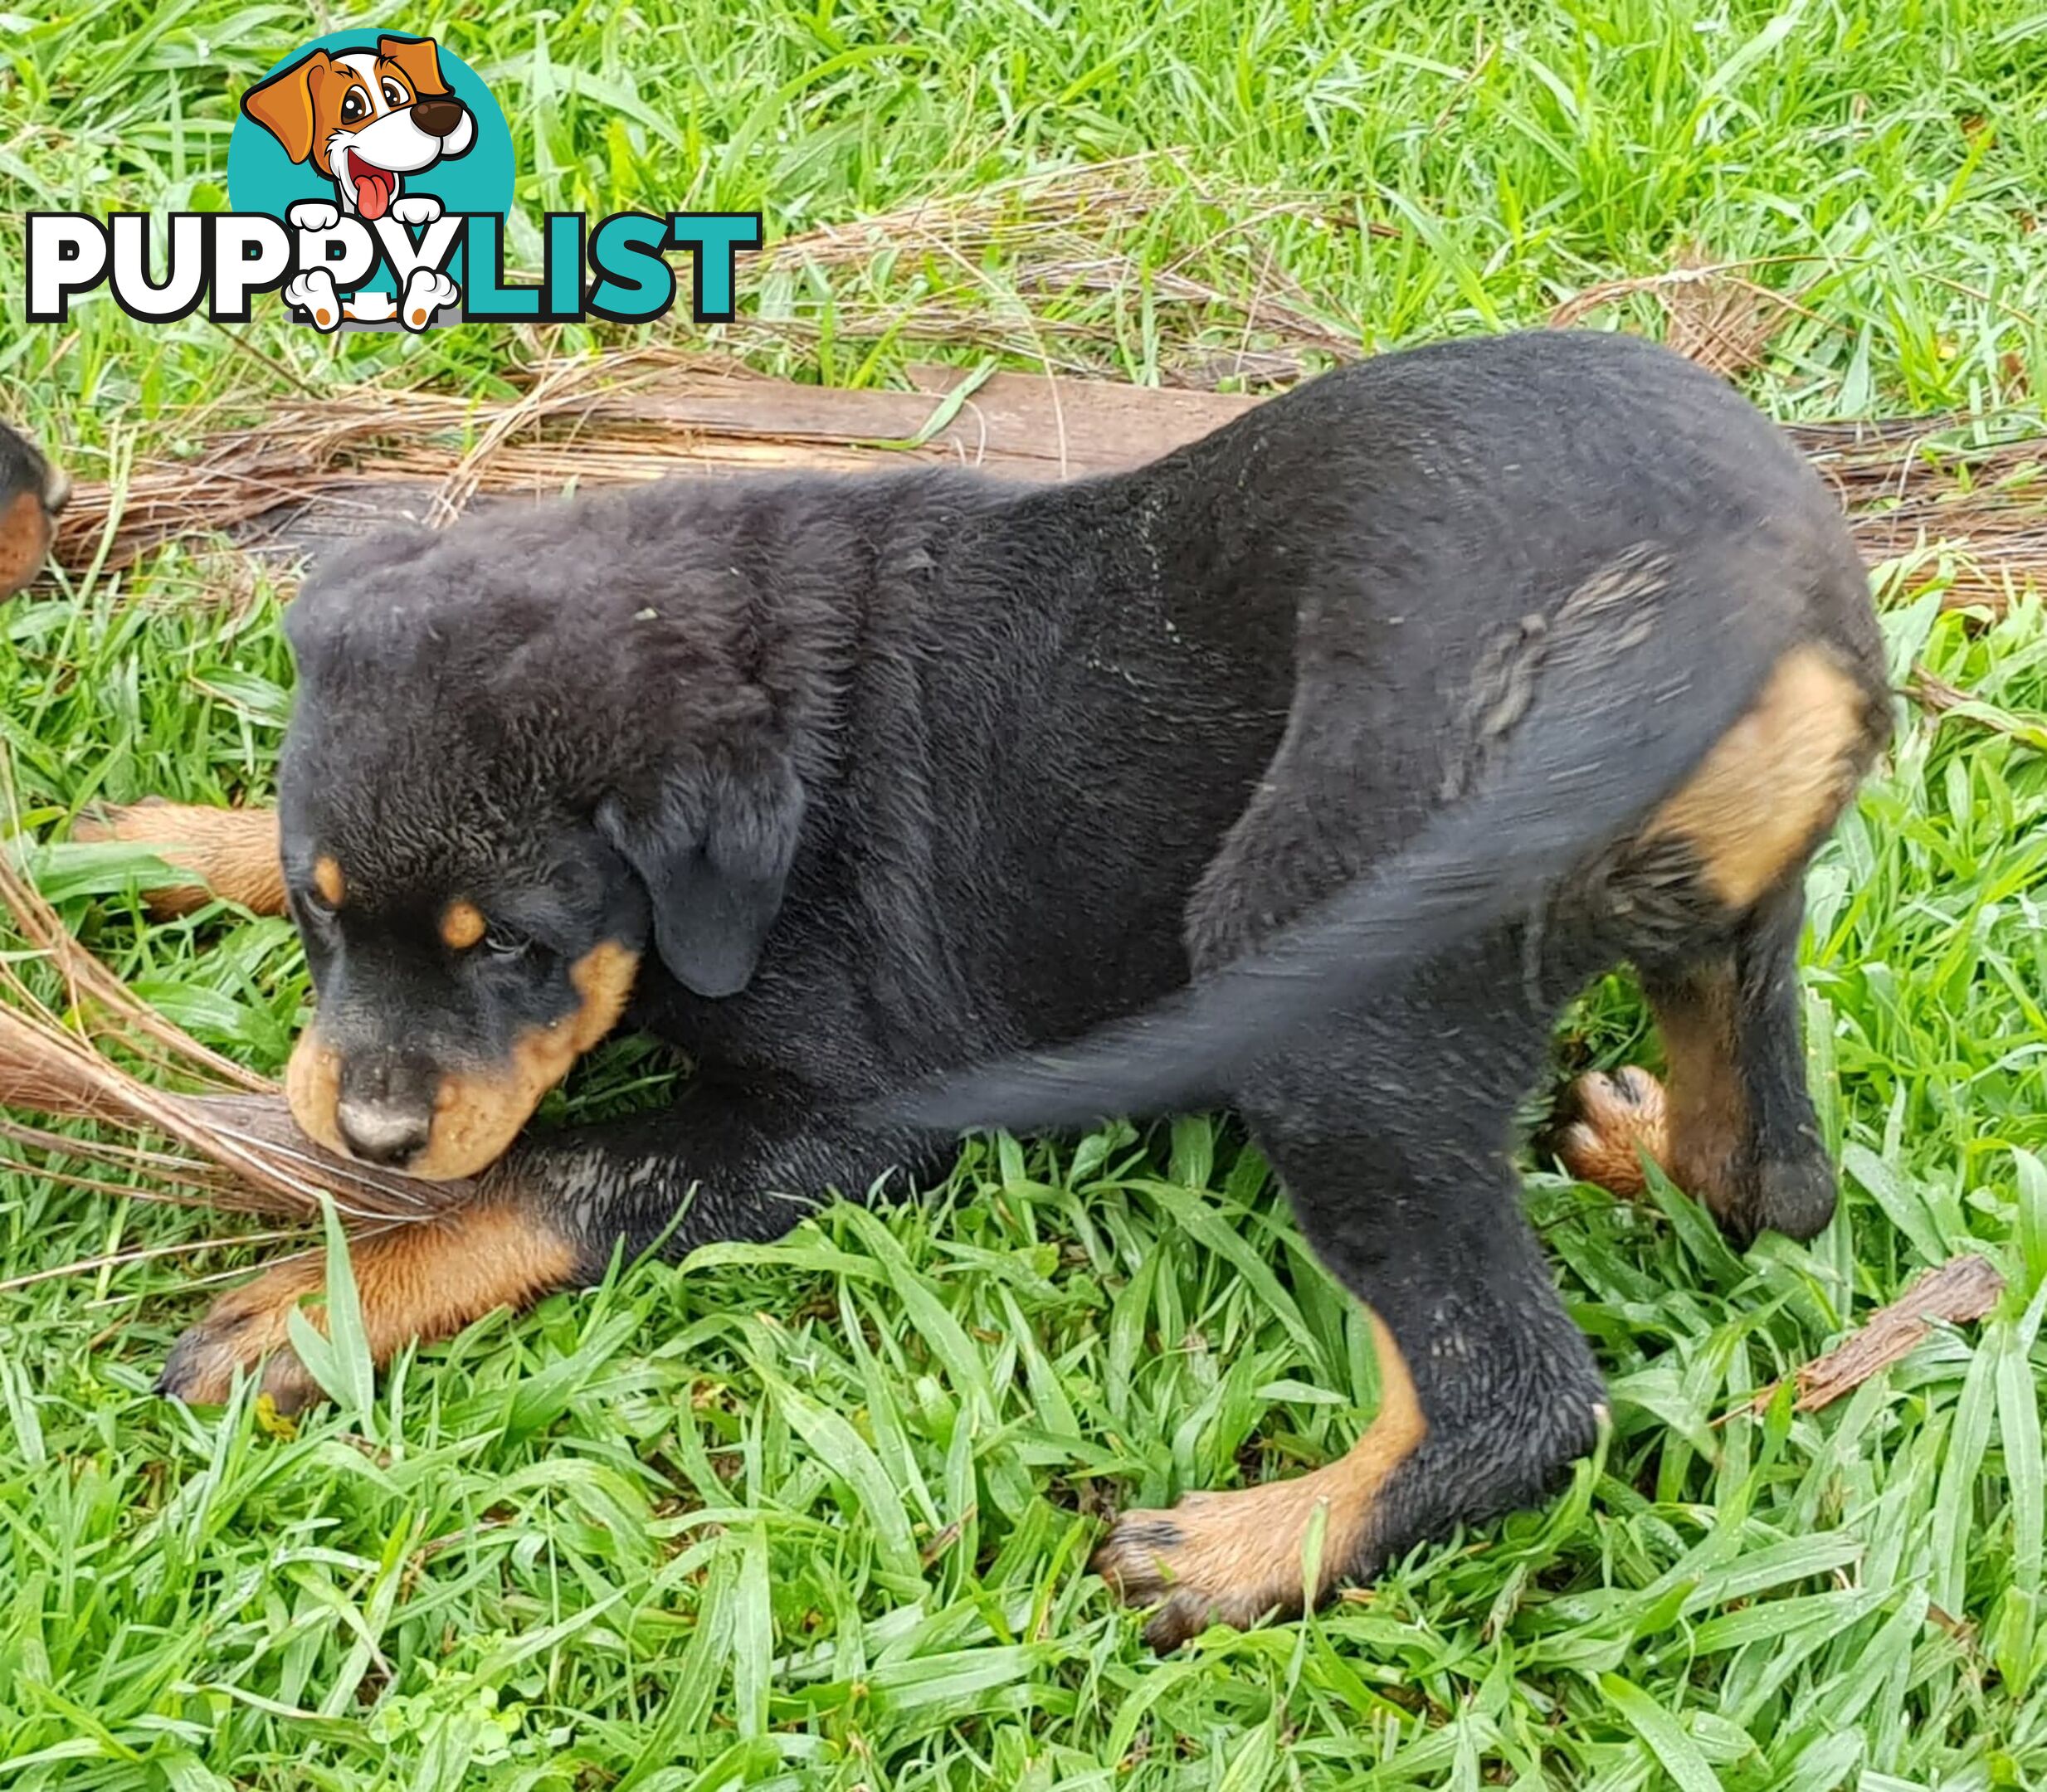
(31, 493)
(425, 1278)
(1390, 1128)
(743, 1163)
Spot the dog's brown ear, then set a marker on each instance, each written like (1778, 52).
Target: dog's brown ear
(418, 60)
(713, 851)
(283, 105)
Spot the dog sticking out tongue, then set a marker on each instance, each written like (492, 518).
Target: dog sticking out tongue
(373, 187)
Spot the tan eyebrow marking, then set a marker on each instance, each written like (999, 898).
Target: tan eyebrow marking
(328, 880)
(462, 925)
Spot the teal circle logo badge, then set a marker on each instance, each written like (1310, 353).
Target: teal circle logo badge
(375, 147)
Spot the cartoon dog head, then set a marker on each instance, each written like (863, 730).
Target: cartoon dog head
(365, 119)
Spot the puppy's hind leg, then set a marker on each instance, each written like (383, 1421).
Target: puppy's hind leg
(1391, 1135)
(1735, 1127)
(233, 853)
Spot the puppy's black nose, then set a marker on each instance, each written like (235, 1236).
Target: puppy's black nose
(384, 1105)
(392, 1133)
(438, 118)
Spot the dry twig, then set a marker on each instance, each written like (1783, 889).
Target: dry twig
(1963, 1288)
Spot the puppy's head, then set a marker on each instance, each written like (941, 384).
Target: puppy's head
(31, 493)
(365, 119)
(522, 754)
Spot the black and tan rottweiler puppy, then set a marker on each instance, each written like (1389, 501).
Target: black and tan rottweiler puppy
(1309, 769)
(32, 493)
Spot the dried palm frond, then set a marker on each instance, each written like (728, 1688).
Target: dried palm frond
(990, 260)
(1978, 484)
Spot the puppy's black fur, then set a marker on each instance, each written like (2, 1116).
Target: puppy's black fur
(32, 494)
(1391, 712)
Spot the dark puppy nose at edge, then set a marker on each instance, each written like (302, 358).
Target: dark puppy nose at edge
(437, 117)
(381, 1133)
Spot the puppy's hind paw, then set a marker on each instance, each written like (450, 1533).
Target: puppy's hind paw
(1610, 1119)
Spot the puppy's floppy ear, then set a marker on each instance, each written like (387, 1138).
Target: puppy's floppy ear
(418, 60)
(283, 105)
(713, 850)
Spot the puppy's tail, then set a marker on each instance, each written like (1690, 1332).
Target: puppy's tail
(1639, 676)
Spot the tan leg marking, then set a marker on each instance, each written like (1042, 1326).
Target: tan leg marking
(1233, 1557)
(24, 534)
(1775, 781)
(1709, 1123)
(421, 1281)
(1614, 1116)
(232, 852)
(477, 1114)
(461, 925)
(1695, 1129)
(328, 880)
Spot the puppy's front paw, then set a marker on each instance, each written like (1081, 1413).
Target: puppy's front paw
(313, 293)
(245, 1329)
(425, 292)
(415, 208)
(232, 853)
(1613, 1118)
(313, 214)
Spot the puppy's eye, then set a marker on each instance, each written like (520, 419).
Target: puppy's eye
(315, 907)
(394, 95)
(353, 106)
(502, 942)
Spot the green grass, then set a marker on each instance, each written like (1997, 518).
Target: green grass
(818, 1514)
